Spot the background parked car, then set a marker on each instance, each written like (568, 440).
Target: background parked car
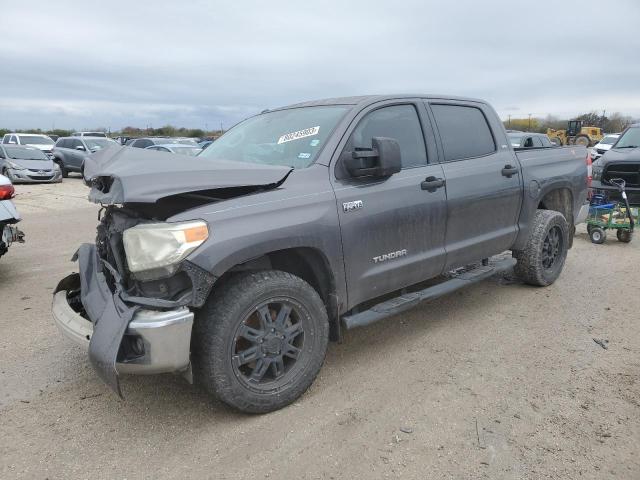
(145, 142)
(604, 145)
(177, 148)
(27, 165)
(70, 152)
(89, 134)
(41, 142)
(528, 139)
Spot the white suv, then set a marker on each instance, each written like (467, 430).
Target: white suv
(41, 142)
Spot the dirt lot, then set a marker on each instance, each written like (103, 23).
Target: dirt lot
(499, 381)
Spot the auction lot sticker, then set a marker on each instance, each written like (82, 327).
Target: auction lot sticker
(307, 132)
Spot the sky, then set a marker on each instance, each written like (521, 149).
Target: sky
(201, 64)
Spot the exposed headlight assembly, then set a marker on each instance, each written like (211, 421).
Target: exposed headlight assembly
(162, 246)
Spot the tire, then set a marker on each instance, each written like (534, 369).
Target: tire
(542, 259)
(589, 228)
(582, 140)
(598, 235)
(233, 342)
(63, 170)
(624, 235)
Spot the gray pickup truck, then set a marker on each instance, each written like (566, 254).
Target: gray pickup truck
(236, 267)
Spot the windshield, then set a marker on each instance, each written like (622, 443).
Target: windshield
(35, 140)
(629, 139)
(609, 140)
(18, 153)
(98, 143)
(186, 150)
(290, 137)
(515, 140)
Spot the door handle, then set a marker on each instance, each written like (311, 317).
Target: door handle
(508, 171)
(431, 184)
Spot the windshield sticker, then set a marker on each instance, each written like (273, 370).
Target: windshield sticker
(307, 132)
(304, 155)
(315, 142)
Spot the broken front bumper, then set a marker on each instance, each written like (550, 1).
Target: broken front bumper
(121, 337)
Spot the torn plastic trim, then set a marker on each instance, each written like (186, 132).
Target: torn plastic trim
(112, 312)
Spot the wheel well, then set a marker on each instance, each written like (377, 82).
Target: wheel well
(304, 262)
(560, 200)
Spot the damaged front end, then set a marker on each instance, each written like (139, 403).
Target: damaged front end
(132, 322)
(131, 301)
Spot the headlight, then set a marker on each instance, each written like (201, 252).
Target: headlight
(162, 245)
(15, 166)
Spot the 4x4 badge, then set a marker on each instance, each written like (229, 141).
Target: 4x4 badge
(355, 205)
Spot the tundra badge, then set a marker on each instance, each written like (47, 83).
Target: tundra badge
(355, 205)
(390, 256)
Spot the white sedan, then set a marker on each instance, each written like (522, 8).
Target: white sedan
(604, 145)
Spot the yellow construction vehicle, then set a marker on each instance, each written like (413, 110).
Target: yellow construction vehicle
(575, 134)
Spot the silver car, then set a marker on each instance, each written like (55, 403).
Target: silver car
(28, 165)
(181, 148)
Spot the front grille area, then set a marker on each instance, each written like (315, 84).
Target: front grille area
(629, 172)
(38, 177)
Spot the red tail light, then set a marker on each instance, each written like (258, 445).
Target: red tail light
(6, 192)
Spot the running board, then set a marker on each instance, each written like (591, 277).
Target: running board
(406, 301)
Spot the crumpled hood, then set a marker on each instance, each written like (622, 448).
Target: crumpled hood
(120, 175)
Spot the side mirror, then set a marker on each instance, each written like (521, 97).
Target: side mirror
(81, 148)
(383, 160)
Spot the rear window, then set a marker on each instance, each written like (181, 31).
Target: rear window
(464, 131)
(35, 140)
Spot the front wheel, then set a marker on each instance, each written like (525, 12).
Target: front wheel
(63, 170)
(543, 257)
(260, 340)
(597, 235)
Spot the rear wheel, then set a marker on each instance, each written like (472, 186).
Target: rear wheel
(624, 235)
(597, 235)
(260, 341)
(543, 257)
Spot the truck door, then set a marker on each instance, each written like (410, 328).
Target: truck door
(484, 182)
(393, 228)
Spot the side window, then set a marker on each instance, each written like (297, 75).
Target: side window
(528, 143)
(464, 131)
(75, 143)
(545, 141)
(537, 142)
(13, 139)
(399, 122)
(5, 139)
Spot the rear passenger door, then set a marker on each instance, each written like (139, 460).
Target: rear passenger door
(392, 228)
(484, 183)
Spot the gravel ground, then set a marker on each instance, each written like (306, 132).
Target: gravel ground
(501, 380)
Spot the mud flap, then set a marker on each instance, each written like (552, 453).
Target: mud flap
(109, 314)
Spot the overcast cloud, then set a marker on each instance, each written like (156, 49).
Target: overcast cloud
(88, 64)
